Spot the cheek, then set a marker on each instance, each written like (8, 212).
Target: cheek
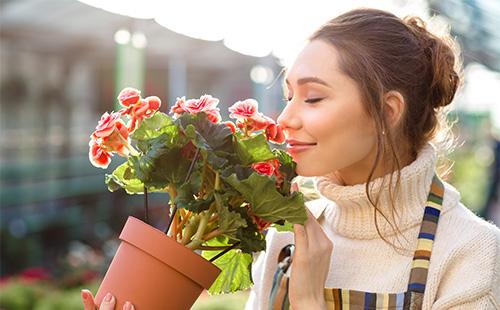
(343, 139)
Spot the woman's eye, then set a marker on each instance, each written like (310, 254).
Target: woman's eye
(313, 100)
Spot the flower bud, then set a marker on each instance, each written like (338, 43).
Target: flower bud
(129, 96)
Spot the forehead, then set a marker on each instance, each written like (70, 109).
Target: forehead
(317, 59)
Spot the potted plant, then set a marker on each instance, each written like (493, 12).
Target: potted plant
(226, 186)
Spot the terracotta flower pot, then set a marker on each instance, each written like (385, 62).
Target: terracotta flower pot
(153, 271)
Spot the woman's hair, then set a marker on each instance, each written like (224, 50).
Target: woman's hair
(383, 53)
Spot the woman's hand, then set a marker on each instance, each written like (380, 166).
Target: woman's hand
(311, 262)
(108, 302)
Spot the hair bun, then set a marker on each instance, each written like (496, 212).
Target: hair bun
(443, 62)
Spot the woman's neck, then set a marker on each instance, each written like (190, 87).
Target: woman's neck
(359, 172)
(353, 214)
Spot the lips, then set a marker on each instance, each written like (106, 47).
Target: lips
(293, 142)
(295, 146)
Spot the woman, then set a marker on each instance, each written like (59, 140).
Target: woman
(365, 106)
(365, 99)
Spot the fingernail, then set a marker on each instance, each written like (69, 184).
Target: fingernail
(108, 297)
(84, 294)
(127, 306)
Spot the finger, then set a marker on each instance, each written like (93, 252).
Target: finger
(314, 231)
(108, 302)
(88, 300)
(300, 237)
(128, 306)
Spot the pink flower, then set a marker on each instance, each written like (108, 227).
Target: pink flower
(98, 156)
(214, 116)
(274, 133)
(140, 110)
(154, 103)
(111, 135)
(206, 104)
(267, 168)
(231, 126)
(258, 121)
(129, 96)
(244, 109)
(178, 107)
(260, 222)
(107, 124)
(117, 140)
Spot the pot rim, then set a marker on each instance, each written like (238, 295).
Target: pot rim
(159, 245)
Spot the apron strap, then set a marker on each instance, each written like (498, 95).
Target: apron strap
(421, 258)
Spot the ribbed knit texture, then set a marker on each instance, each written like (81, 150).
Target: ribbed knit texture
(464, 270)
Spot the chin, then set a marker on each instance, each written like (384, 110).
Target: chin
(309, 171)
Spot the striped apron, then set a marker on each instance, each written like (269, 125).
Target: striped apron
(337, 298)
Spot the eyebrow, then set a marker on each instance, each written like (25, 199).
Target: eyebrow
(309, 79)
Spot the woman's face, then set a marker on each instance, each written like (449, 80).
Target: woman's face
(325, 110)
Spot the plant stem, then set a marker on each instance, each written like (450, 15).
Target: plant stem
(225, 251)
(184, 220)
(172, 191)
(217, 181)
(214, 233)
(189, 231)
(213, 218)
(198, 236)
(174, 227)
(133, 151)
(174, 211)
(146, 204)
(212, 248)
(203, 176)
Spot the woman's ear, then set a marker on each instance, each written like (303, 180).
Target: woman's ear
(394, 107)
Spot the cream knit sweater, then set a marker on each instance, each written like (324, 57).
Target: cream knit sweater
(464, 271)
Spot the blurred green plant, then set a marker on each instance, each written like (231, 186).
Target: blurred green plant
(20, 295)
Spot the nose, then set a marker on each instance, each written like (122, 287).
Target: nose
(289, 119)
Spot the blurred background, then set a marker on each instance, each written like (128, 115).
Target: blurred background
(62, 63)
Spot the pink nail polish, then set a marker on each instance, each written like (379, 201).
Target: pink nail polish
(108, 297)
(84, 294)
(127, 306)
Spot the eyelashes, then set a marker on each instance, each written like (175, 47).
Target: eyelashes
(313, 100)
(310, 100)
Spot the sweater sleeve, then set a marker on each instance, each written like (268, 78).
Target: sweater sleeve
(486, 302)
(471, 275)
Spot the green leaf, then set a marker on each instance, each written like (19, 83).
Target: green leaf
(161, 164)
(214, 140)
(242, 172)
(287, 226)
(209, 136)
(121, 178)
(186, 195)
(154, 126)
(254, 149)
(251, 240)
(229, 221)
(236, 270)
(287, 168)
(260, 191)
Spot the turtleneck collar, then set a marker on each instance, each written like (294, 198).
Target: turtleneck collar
(352, 215)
